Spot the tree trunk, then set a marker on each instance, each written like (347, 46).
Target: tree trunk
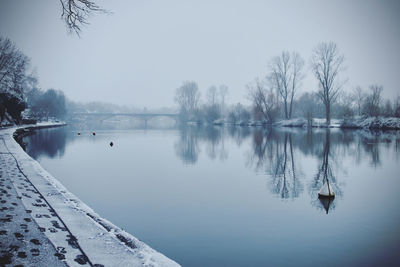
(286, 110)
(291, 107)
(328, 113)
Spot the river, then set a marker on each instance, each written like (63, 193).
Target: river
(237, 196)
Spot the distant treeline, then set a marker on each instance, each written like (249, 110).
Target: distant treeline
(275, 96)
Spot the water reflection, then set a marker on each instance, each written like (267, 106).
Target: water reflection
(46, 142)
(239, 188)
(187, 147)
(51, 142)
(279, 154)
(371, 142)
(273, 153)
(325, 203)
(116, 122)
(239, 134)
(192, 137)
(325, 174)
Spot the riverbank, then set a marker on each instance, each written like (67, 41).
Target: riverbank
(373, 123)
(42, 223)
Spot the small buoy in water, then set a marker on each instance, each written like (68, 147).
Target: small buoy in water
(326, 191)
(111, 143)
(79, 133)
(93, 133)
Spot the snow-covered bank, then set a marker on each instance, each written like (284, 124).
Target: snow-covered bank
(379, 123)
(81, 235)
(315, 123)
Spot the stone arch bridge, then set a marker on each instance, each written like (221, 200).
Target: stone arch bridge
(143, 116)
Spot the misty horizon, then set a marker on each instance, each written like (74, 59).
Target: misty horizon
(139, 53)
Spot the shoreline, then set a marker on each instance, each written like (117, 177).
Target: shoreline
(84, 236)
(359, 123)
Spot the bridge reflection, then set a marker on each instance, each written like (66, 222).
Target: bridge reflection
(145, 117)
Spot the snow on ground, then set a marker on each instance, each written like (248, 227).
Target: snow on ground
(22, 241)
(356, 123)
(298, 122)
(372, 123)
(302, 122)
(81, 235)
(335, 123)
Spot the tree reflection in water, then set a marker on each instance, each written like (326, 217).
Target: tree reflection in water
(273, 153)
(187, 147)
(46, 142)
(276, 152)
(213, 136)
(371, 142)
(324, 175)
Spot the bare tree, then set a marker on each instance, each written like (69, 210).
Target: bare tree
(212, 95)
(345, 105)
(13, 65)
(212, 109)
(286, 75)
(223, 92)
(359, 97)
(396, 107)
(76, 12)
(238, 114)
(263, 99)
(326, 64)
(373, 101)
(387, 109)
(48, 104)
(309, 106)
(297, 77)
(187, 96)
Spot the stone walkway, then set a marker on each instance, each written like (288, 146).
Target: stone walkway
(22, 241)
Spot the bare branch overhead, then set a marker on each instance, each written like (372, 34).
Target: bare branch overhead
(76, 12)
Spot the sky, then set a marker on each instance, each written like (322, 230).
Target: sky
(139, 53)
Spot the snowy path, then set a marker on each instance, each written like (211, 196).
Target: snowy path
(22, 241)
(41, 223)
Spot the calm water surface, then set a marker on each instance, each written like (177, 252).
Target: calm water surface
(238, 196)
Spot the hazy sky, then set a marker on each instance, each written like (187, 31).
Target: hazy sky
(143, 51)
